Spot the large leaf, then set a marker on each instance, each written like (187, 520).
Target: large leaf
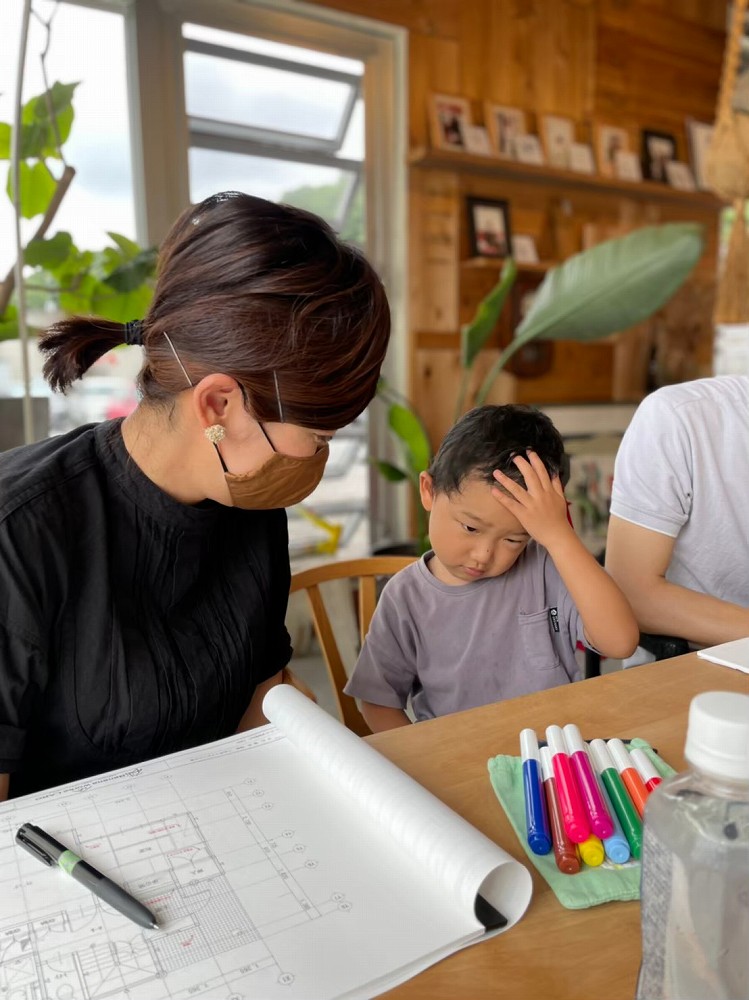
(49, 254)
(475, 334)
(409, 429)
(37, 188)
(133, 273)
(9, 324)
(608, 288)
(120, 306)
(389, 471)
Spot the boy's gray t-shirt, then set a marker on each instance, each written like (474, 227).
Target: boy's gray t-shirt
(452, 648)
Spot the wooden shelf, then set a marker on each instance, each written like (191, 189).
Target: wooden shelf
(439, 159)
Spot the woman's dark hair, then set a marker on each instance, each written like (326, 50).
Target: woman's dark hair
(258, 291)
(488, 438)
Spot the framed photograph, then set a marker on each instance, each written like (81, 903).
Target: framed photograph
(699, 135)
(488, 227)
(476, 140)
(524, 249)
(528, 149)
(558, 135)
(679, 175)
(627, 166)
(448, 119)
(610, 139)
(504, 126)
(536, 358)
(581, 158)
(657, 149)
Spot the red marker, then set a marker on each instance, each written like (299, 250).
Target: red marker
(573, 812)
(646, 768)
(630, 776)
(565, 852)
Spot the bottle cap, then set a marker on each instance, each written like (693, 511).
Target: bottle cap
(718, 734)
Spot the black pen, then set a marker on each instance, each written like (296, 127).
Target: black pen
(51, 852)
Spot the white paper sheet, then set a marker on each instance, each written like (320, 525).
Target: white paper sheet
(729, 654)
(292, 861)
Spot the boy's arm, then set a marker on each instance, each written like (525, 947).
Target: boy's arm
(541, 508)
(637, 559)
(380, 718)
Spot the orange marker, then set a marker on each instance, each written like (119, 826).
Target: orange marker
(646, 769)
(629, 773)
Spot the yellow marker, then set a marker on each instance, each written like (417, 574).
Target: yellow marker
(591, 851)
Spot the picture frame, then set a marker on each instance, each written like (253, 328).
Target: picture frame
(537, 357)
(627, 166)
(476, 139)
(489, 231)
(448, 118)
(504, 125)
(581, 158)
(609, 139)
(657, 149)
(699, 136)
(528, 149)
(524, 249)
(679, 175)
(558, 134)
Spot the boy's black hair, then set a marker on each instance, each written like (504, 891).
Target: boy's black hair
(488, 438)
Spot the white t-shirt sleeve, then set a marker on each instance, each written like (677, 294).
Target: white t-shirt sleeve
(653, 468)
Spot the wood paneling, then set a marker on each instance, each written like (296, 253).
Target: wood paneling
(633, 63)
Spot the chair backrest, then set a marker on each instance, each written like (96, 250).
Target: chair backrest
(364, 574)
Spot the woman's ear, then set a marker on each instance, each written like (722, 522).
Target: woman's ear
(426, 490)
(216, 400)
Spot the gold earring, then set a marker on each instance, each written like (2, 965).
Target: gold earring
(215, 433)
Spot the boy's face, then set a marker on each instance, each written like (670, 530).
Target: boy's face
(472, 535)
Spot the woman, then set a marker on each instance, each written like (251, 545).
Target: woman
(144, 566)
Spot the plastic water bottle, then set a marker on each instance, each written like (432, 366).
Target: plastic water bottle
(695, 863)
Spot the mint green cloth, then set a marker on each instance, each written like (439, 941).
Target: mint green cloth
(590, 886)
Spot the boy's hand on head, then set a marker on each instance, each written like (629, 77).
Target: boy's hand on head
(540, 506)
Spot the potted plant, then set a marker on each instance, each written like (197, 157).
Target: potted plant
(595, 293)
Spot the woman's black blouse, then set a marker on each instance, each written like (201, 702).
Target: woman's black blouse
(131, 625)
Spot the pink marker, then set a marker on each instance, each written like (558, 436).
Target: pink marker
(645, 768)
(600, 819)
(573, 812)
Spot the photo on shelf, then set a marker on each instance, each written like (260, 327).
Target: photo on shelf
(581, 158)
(657, 149)
(610, 139)
(558, 135)
(528, 149)
(524, 249)
(477, 141)
(679, 175)
(488, 227)
(627, 166)
(699, 135)
(448, 118)
(504, 126)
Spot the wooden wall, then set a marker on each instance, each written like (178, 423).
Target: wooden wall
(632, 63)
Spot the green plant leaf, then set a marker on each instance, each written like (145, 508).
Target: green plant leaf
(37, 188)
(120, 307)
(49, 254)
(129, 248)
(390, 472)
(9, 324)
(4, 141)
(613, 285)
(475, 334)
(131, 275)
(409, 429)
(608, 288)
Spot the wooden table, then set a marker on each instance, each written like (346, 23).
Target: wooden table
(552, 953)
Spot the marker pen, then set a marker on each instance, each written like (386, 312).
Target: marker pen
(646, 768)
(620, 800)
(536, 818)
(565, 854)
(616, 846)
(632, 780)
(591, 851)
(573, 812)
(600, 822)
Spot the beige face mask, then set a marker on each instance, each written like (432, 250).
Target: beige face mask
(281, 482)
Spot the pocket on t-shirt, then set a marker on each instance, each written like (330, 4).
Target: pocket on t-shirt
(538, 645)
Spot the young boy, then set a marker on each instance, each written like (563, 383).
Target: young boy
(495, 610)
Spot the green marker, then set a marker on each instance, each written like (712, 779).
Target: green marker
(620, 800)
(51, 852)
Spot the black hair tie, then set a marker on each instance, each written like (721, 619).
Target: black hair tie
(133, 333)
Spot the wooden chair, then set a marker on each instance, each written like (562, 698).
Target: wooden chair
(364, 574)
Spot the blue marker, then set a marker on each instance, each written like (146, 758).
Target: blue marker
(616, 846)
(536, 816)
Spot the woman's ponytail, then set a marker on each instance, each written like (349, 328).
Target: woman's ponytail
(72, 345)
